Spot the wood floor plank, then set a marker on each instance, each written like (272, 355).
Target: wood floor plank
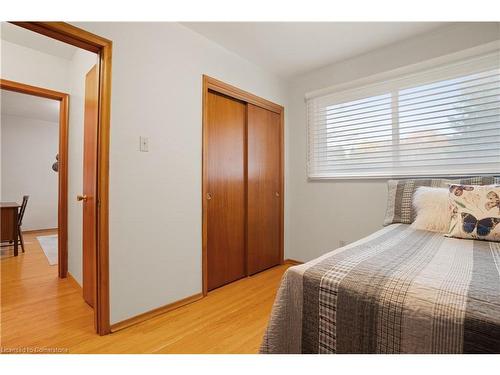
(40, 310)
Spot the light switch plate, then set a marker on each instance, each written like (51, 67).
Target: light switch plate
(144, 144)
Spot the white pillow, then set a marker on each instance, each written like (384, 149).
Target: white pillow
(433, 209)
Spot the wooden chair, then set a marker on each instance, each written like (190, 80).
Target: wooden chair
(20, 219)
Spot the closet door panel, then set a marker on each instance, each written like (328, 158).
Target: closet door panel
(264, 175)
(225, 190)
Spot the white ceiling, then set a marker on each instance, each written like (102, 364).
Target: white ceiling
(16, 104)
(285, 48)
(293, 48)
(15, 34)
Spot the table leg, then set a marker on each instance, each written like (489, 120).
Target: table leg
(16, 234)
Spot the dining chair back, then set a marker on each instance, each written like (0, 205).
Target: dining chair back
(22, 210)
(20, 219)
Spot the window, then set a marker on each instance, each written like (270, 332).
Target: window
(440, 122)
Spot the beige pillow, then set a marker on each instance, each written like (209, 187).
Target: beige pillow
(475, 212)
(432, 208)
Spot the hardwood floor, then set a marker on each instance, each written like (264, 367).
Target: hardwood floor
(41, 312)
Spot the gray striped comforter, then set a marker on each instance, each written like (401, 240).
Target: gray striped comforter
(397, 291)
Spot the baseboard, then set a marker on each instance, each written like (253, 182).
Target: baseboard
(293, 262)
(34, 231)
(73, 282)
(155, 312)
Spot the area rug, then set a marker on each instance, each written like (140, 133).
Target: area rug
(49, 247)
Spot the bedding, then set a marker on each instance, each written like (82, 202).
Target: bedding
(400, 195)
(475, 212)
(399, 290)
(400, 207)
(433, 209)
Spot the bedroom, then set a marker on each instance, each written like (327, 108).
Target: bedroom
(199, 220)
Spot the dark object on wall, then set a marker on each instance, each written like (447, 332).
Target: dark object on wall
(55, 166)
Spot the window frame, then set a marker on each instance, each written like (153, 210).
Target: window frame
(391, 82)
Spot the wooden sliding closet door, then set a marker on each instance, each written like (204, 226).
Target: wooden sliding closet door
(226, 121)
(264, 202)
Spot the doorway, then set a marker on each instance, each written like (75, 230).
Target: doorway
(61, 163)
(102, 47)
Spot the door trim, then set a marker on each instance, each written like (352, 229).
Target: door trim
(212, 84)
(62, 191)
(75, 36)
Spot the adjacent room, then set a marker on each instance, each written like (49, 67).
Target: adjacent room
(48, 98)
(30, 144)
(252, 187)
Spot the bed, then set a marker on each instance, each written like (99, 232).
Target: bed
(399, 290)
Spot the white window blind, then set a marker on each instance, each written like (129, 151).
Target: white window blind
(439, 122)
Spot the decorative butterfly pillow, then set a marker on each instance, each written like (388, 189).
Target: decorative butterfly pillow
(475, 212)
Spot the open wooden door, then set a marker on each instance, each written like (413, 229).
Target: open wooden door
(88, 197)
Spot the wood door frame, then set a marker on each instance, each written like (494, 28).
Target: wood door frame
(214, 85)
(62, 191)
(80, 38)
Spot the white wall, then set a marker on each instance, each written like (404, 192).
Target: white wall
(29, 147)
(155, 208)
(79, 66)
(26, 65)
(322, 213)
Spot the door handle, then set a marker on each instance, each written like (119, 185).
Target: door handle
(277, 194)
(209, 196)
(81, 198)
